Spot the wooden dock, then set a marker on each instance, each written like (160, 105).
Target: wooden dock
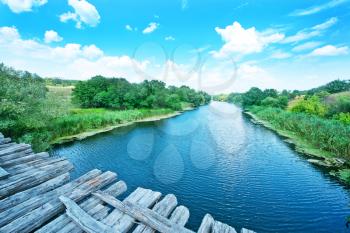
(37, 195)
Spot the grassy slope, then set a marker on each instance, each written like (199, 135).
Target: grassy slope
(82, 123)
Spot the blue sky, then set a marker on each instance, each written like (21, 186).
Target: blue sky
(218, 46)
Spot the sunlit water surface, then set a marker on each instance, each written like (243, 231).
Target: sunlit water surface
(216, 161)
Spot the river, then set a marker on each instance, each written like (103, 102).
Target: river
(215, 160)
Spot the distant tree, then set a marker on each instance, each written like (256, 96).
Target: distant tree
(270, 93)
(252, 97)
(118, 93)
(335, 86)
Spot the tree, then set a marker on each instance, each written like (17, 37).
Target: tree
(270, 93)
(253, 97)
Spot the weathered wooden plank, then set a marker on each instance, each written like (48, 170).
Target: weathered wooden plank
(5, 141)
(163, 208)
(147, 200)
(84, 220)
(24, 159)
(7, 145)
(31, 171)
(35, 164)
(220, 227)
(21, 167)
(64, 224)
(144, 215)
(15, 148)
(98, 212)
(15, 155)
(180, 215)
(30, 180)
(244, 230)
(207, 224)
(3, 173)
(35, 218)
(36, 201)
(115, 215)
(20, 197)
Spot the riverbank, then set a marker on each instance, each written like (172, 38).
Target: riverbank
(337, 167)
(92, 132)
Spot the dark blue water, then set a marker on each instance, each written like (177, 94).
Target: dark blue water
(216, 161)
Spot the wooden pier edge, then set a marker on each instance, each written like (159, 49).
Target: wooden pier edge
(37, 195)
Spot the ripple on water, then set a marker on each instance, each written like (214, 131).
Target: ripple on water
(216, 161)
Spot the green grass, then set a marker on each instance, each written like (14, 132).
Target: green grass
(330, 136)
(64, 120)
(84, 120)
(326, 139)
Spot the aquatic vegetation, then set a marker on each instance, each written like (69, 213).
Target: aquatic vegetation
(327, 134)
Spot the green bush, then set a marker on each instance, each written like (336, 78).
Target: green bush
(312, 105)
(343, 117)
(277, 102)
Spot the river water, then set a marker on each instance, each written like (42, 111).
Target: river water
(216, 161)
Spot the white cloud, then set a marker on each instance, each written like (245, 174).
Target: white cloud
(128, 27)
(281, 55)
(244, 41)
(308, 33)
(150, 28)
(8, 34)
(68, 16)
(329, 23)
(300, 36)
(18, 6)
(330, 50)
(169, 38)
(306, 46)
(84, 12)
(318, 8)
(71, 61)
(92, 52)
(52, 36)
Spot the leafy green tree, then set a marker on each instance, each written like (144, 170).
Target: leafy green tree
(270, 93)
(253, 97)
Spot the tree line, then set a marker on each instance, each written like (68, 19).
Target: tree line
(320, 116)
(39, 111)
(118, 93)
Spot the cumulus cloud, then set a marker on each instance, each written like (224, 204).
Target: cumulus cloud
(8, 34)
(84, 13)
(52, 36)
(92, 52)
(171, 38)
(330, 50)
(71, 61)
(18, 6)
(239, 40)
(308, 33)
(318, 8)
(150, 28)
